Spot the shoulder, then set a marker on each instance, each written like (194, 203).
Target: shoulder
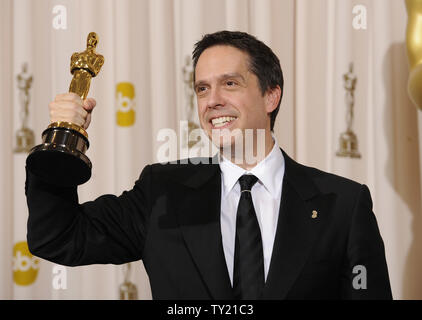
(330, 182)
(182, 165)
(306, 177)
(189, 171)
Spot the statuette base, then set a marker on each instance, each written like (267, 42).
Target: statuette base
(60, 159)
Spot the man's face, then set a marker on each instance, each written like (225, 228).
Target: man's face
(228, 94)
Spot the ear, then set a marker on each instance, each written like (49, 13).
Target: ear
(272, 97)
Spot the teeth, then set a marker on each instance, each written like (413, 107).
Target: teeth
(219, 122)
(218, 125)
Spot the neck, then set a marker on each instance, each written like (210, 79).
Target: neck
(251, 155)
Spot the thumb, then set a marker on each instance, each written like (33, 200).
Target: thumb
(87, 121)
(89, 104)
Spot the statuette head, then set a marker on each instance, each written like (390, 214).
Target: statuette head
(92, 40)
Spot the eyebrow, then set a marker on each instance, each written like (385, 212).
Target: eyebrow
(222, 77)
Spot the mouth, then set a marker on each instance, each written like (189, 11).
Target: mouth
(222, 122)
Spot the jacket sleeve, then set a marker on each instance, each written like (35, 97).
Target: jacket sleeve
(109, 229)
(365, 272)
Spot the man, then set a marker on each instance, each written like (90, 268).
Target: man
(269, 228)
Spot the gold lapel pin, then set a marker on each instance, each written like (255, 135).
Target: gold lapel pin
(314, 214)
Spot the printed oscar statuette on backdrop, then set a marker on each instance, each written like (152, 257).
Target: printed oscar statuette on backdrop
(348, 141)
(24, 136)
(61, 159)
(127, 290)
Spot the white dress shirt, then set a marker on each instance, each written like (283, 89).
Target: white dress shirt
(266, 196)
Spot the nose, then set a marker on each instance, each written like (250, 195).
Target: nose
(215, 99)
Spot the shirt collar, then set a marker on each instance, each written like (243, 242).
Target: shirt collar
(269, 171)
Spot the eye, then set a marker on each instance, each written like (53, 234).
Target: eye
(230, 83)
(200, 89)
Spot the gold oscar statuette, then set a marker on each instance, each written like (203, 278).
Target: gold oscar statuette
(61, 159)
(414, 51)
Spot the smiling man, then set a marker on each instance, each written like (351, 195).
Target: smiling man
(263, 229)
(231, 96)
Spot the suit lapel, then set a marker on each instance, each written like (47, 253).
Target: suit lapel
(198, 208)
(296, 231)
(198, 212)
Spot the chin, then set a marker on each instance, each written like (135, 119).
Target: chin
(226, 139)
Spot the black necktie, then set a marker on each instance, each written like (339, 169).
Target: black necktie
(248, 274)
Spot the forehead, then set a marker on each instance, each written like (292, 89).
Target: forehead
(221, 59)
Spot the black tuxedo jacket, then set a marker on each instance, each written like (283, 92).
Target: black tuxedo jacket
(171, 220)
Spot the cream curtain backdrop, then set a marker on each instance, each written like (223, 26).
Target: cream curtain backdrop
(385, 120)
(145, 43)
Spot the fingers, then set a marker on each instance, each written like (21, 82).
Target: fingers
(68, 112)
(68, 107)
(68, 96)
